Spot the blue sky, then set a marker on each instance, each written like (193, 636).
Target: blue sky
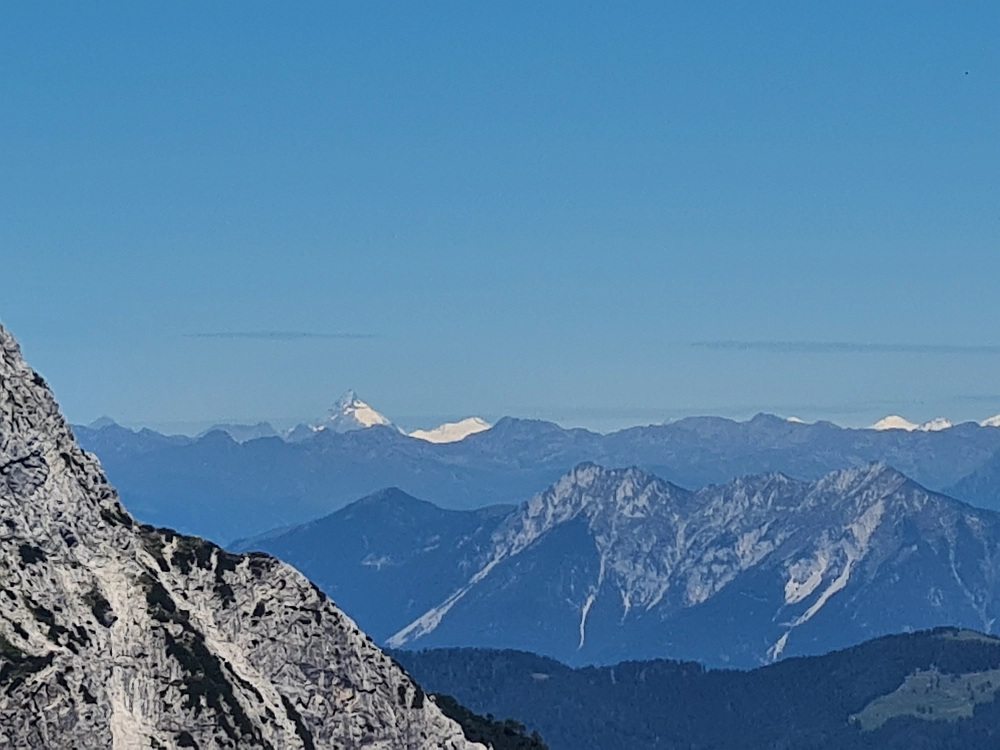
(599, 213)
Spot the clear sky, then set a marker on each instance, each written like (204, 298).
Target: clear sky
(601, 213)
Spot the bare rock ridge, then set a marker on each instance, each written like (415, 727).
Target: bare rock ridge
(621, 565)
(116, 635)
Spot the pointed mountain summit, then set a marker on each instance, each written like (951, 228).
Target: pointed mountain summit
(350, 413)
(117, 635)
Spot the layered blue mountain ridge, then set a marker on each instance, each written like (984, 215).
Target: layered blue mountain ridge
(222, 489)
(609, 565)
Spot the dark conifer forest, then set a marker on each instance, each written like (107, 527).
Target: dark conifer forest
(814, 703)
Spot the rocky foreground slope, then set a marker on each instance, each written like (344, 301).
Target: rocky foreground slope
(118, 635)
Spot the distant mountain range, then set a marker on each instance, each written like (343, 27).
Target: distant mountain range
(924, 691)
(223, 488)
(617, 564)
(350, 413)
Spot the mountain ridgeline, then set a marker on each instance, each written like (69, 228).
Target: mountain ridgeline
(118, 635)
(222, 489)
(617, 564)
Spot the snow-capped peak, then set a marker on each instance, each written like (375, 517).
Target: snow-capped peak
(991, 422)
(936, 425)
(795, 420)
(351, 413)
(452, 432)
(896, 422)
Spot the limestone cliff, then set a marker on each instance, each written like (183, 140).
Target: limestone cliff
(117, 635)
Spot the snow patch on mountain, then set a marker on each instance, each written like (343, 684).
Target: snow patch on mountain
(583, 618)
(896, 422)
(452, 432)
(936, 425)
(991, 422)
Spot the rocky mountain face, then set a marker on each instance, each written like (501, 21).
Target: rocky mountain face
(223, 490)
(609, 565)
(116, 635)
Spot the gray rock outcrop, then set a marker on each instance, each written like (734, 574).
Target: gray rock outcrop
(117, 635)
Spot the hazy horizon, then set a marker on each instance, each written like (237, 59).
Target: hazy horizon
(597, 215)
(595, 420)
